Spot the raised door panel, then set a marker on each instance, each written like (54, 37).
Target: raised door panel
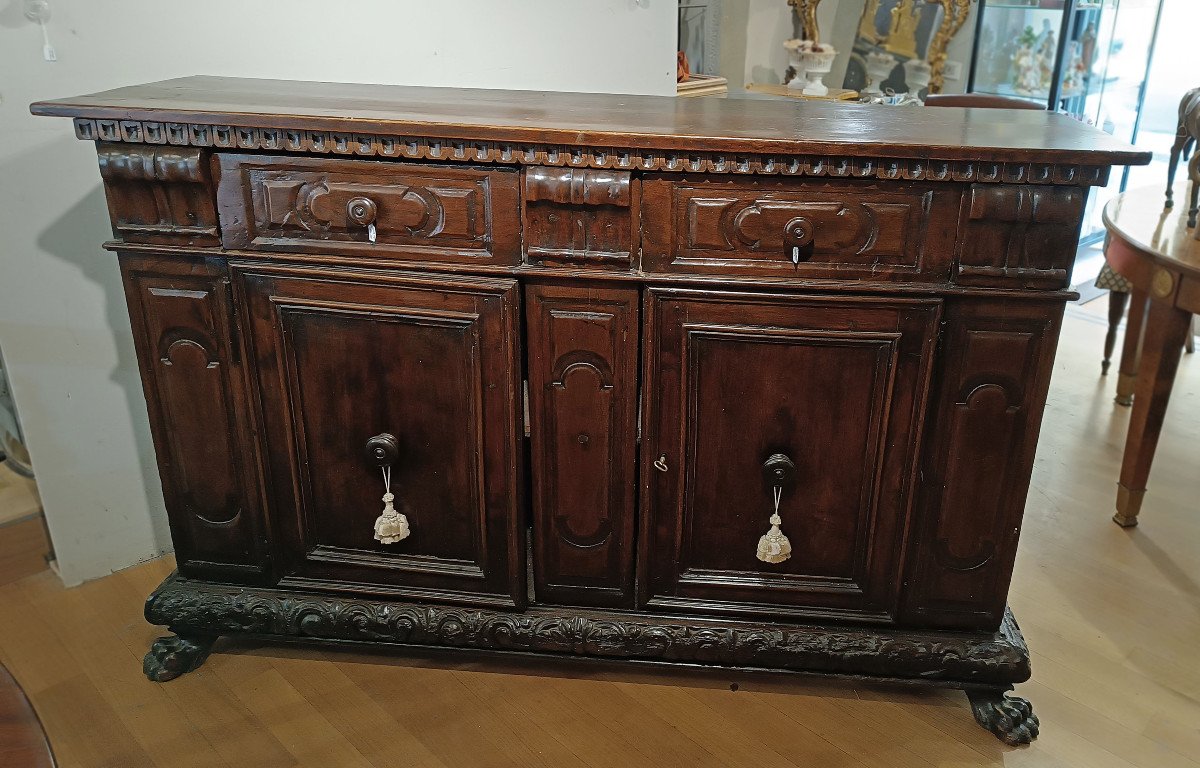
(342, 357)
(835, 384)
(582, 349)
(181, 313)
(994, 376)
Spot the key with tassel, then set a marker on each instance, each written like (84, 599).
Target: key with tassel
(391, 526)
(780, 473)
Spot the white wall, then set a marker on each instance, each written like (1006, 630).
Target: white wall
(63, 325)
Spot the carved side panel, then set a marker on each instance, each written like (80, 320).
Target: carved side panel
(159, 194)
(1020, 236)
(995, 373)
(429, 213)
(583, 346)
(577, 216)
(195, 392)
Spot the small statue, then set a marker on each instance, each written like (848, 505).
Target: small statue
(1046, 55)
(867, 30)
(1187, 132)
(902, 37)
(1026, 72)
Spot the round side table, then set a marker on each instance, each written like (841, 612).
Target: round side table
(1153, 249)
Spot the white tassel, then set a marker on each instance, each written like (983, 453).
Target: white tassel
(391, 526)
(774, 547)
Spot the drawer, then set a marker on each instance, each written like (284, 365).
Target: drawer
(836, 229)
(371, 209)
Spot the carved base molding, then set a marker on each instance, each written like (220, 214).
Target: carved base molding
(612, 158)
(986, 665)
(196, 608)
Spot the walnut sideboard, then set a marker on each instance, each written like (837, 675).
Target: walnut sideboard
(591, 345)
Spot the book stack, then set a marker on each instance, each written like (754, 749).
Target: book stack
(702, 85)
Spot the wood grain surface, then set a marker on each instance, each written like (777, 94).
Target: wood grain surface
(649, 122)
(1111, 616)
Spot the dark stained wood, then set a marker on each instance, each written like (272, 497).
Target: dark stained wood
(583, 386)
(343, 356)
(1020, 236)
(687, 287)
(159, 194)
(419, 213)
(837, 385)
(985, 413)
(585, 217)
(653, 122)
(977, 661)
(857, 229)
(23, 741)
(192, 370)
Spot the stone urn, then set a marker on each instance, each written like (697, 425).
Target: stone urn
(879, 69)
(917, 74)
(812, 61)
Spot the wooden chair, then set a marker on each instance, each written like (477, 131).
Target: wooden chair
(984, 100)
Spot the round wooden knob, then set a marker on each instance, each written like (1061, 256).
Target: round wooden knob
(361, 210)
(799, 232)
(779, 470)
(383, 450)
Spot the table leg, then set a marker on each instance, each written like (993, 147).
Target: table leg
(1166, 329)
(1116, 310)
(1131, 349)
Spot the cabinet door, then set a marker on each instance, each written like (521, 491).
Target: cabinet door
(344, 356)
(193, 379)
(837, 385)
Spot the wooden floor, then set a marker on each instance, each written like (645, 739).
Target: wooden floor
(1112, 617)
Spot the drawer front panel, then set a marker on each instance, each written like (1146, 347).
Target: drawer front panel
(817, 229)
(838, 386)
(418, 213)
(342, 358)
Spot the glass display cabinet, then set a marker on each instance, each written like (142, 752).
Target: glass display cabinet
(1087, 58)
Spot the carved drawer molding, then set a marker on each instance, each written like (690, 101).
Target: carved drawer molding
(159, 194)
(784, 229)
(580, 216)
(369, 209)
(1019, 236)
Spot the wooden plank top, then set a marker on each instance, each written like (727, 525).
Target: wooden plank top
(666, 123)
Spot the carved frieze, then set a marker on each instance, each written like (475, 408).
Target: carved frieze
(615, 158)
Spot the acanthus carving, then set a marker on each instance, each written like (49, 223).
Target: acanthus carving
(999, 658)
(616, 158)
